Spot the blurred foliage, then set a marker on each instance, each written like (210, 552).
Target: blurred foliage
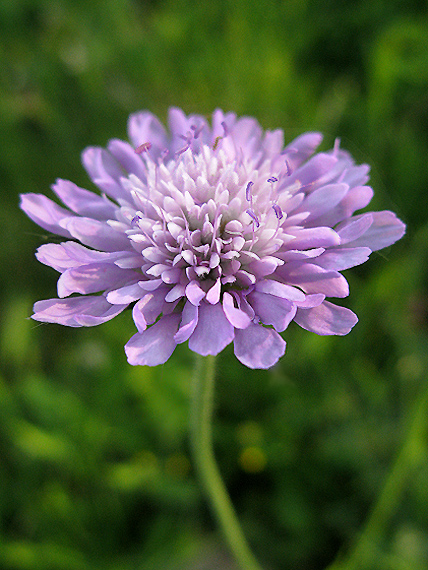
(95, 470)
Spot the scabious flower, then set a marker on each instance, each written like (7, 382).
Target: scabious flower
(215, 234)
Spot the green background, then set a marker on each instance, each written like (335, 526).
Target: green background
(95, 470)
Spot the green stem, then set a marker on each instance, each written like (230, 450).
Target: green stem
(366, 548)
(202, 408)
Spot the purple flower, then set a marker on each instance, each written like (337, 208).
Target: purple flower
(215, 234)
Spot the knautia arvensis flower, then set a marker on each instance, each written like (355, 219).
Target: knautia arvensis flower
(215, 234)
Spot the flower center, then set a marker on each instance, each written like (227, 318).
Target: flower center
(208, 216)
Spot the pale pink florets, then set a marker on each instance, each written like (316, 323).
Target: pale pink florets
(214, 233)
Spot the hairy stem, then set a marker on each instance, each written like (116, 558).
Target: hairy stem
(203, 454)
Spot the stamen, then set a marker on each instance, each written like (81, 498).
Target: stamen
(143, 147)
(277, 210)
(217, 140)
(187, 137)
(225, 129)
(272, 181)
(287, 166)
(181, 150)
(248, 191)
(253, 216)
(336, 147)
(196, 131)
(164, 153)
(135, 220)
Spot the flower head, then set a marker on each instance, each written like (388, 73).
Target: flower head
(215, 234)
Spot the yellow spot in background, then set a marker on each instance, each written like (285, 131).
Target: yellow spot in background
(252, 460)
(249, 434)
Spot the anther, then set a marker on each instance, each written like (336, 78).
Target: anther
(187, 137)
(225, 129)
(253, 217)
(248, 191)
(143, 147)
(277, 210)
(272, 179)
(196, 131)
(135, 220)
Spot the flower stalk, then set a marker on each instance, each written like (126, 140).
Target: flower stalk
(203, 454)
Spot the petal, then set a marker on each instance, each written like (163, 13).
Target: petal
(311, 301)
(309, 238)
(213, 295)
(356, 199)
(127, 158)
(175, 293)
(96, 234)
(296, 255)
(322, 200)
(302, 148)
(188, 323)
(45, 213)
(145, 127)
(312, 173)
(343, 258)
(314, 279)
(235, 316)
(147, 310)
(352, 229)
(194, 293)
(76, 312)
(54, 255)
(385, 230)
(126, 294)
(104, 171)
(246, 134)
(272, 310)
(150, 284)
(262, 267)
(258, 347)
(278, 289)
(93, 278)
(62, 256)
(83, 202)
(326, 319)
(154, 345)
(213, 331)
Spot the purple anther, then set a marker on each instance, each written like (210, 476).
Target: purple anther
(135, 220)
(287, 166)
(143, 147)
(272, 179)
(164, 153)
(187, 137)
(225, 129)
(277, 210)
(253, 217)
(196, 131)
(248, 191)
